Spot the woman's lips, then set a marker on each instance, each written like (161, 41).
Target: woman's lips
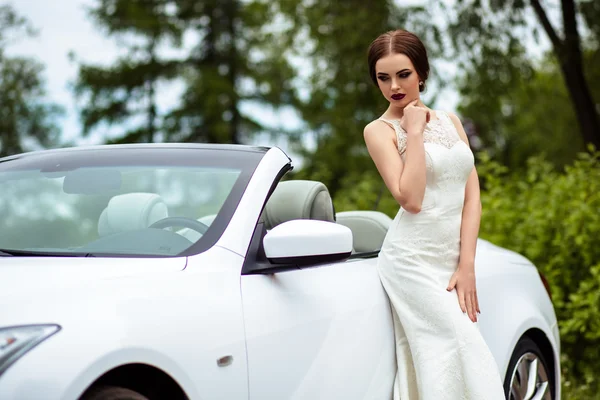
(398, 96)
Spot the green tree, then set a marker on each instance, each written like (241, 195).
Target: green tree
(490, 38)
(550, 215)
(238, 60)
(27, 121)
(217, 70)
(332, 38)
(125, 93)
(530, 113)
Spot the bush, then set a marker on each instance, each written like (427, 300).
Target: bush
(553, 218)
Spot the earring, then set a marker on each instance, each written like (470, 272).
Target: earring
(421, 83)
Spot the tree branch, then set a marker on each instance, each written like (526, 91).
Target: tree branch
(541, 13)
(570, 24)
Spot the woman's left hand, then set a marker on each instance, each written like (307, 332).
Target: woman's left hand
(464, 282)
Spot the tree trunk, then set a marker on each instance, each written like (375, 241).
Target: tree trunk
(585, 108)
(569, 55)
(151, 88)
(231, 10)
(571, 63)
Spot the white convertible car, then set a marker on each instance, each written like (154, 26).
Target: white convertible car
(191, 272)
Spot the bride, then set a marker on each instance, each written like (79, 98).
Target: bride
(426, 263)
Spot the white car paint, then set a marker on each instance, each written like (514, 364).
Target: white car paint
(322, 332)
(319, 333)
(180, 320)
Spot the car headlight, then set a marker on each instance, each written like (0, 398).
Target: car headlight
(18, 340)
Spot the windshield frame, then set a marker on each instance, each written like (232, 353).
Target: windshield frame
(244, 158)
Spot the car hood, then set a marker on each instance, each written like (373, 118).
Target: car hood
(78, 292)
(487, 251)
(21, 275)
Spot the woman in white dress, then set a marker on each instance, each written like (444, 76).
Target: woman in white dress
(426, 263)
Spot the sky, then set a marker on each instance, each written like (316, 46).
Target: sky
(64, 27)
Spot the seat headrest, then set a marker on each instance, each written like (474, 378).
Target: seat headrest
(131, 211)
(369, 228)
(298, 199)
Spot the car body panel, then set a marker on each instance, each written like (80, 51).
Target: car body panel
(238, 234)
(178, 321)
(524, 304)
(323, 332)
(319, 332)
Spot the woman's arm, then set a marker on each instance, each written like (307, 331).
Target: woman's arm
(405, 180)
(471, 215)
(464, 277)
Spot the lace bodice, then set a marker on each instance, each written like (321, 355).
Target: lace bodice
(438, 131)
(448, 160)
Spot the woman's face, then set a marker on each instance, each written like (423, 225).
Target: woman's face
(397, 79)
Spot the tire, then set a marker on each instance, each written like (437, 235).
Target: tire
(519, 383)
(112, 393)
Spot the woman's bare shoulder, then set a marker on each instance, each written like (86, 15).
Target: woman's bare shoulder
(378, 129)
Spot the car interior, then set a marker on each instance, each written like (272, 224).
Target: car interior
(306, 199)
(294, 199)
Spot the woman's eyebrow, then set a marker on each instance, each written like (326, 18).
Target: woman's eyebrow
(403, 70)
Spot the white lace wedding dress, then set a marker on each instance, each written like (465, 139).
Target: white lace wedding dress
(440, 352)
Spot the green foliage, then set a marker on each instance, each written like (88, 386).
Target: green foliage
(332, 38)
(365, 192)
(552, 217)
(228, 57)
(125, 93)
(489, 46)
(12, 26)
(27, 121)
(530, 111)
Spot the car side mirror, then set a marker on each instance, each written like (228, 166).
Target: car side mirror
(305, 241)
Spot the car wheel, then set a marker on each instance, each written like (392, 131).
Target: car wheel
(528, 376)
(112, 393)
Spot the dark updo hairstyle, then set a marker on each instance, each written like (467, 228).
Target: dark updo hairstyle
(399, 42)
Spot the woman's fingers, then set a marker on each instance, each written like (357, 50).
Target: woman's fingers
(469, 302)
(452, 283)
(461, 300)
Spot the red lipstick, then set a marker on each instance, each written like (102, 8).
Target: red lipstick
(398, 96)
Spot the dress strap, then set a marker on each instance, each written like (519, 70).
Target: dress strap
(443, 115)
(400, 136)
(391, 122)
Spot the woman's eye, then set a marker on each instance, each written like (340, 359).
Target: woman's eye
(382, 78)
(405, 75)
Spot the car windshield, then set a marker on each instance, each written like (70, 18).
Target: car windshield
(120, 202)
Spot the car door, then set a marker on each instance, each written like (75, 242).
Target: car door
(319, 333)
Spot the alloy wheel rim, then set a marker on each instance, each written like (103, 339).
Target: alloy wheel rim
(529, 379)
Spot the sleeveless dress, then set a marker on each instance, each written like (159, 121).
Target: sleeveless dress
(440, 352)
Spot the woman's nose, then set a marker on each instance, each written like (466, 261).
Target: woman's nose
(395, 84)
